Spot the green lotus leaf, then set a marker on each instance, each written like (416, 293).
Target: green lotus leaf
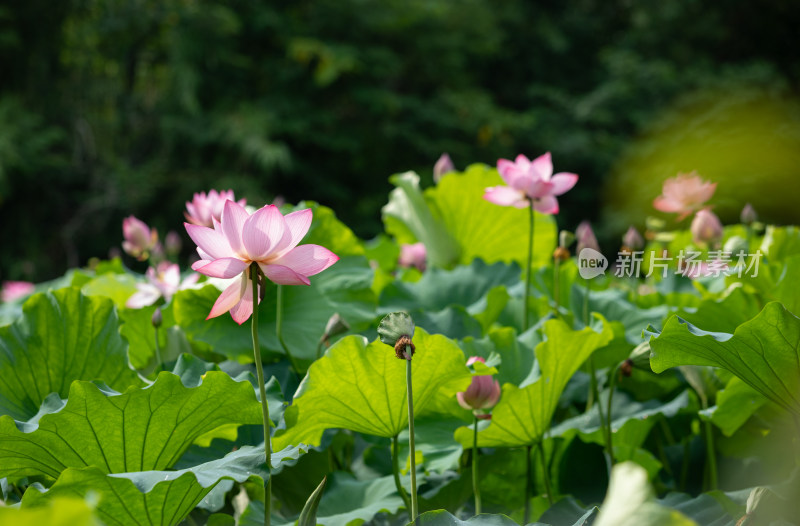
(141, 429)
(156, 497)
(346, 501)
(61, 511)
(735, 404)
(485, 230)
(362, 387)
(523, 415)
(764, 352)
(444, 518)
(62, 336)
(328, 231)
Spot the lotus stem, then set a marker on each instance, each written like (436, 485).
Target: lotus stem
(711, 463)
(528, 486)
(545, 472)
(525, 321)
(476, 490)
(254, 270)
(412, 452)
(159, 363)
(396, 472)
(279, 332)
(612, 382)
(556, 283)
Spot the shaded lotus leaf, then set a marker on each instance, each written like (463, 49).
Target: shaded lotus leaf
(141, 429)
(156, 497)
(361, 386)
(62, 336)
(764, 352)
(523, 415)
(444, 518)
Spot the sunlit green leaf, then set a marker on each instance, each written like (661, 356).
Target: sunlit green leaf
(63, 336)
(764, 352)
(141, 429)
(362, 387)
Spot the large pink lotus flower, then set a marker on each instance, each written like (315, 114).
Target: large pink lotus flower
(204, 208)
(140, 240)
(13, 290)
(162, 281)
(413, 255)
(482, 393)
(683, 194)
(266, 238)
(530, 183)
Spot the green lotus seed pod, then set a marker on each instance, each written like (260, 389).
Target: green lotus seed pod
(395, 325)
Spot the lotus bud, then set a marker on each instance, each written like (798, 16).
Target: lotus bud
(633, 240)
(706, 227)
(397, 329)
(585, 236)
(157, 318)
(483, 392)
(336, 325)
(13, 290)
(442, 167)
(139, 239)
(639, 358)
(748, 215)
(172, 243)
(413, 256)
(565, 238)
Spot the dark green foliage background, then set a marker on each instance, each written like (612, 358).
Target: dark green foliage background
(113, 107)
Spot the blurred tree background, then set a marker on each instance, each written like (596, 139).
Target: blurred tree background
(117, 107)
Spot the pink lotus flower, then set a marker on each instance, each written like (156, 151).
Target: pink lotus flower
(266, 238)
(204, 208)
(683, 194)
(13, 290)
(413, 256)
(483, 392)
(162, 281)
(139, 239)
(530, 183)
(706, 227)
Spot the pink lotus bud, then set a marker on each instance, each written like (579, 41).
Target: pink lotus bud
(172, 243)
(413, 256)
(633, 239)
(139, 239)
(483, 392)
(585, 236)
(443, 166)
(204, 208)
(748, 215)
(706, 227)
(13, 290)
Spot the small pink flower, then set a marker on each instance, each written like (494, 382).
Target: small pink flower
(13, 290)
(706, 227)
(139, 239)
(683, 194)
(483, 392)
(162, 281)
(530, 183)
(204, 208)
(585, 237)
(443, 166)
(413, 256)
(266, 238)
